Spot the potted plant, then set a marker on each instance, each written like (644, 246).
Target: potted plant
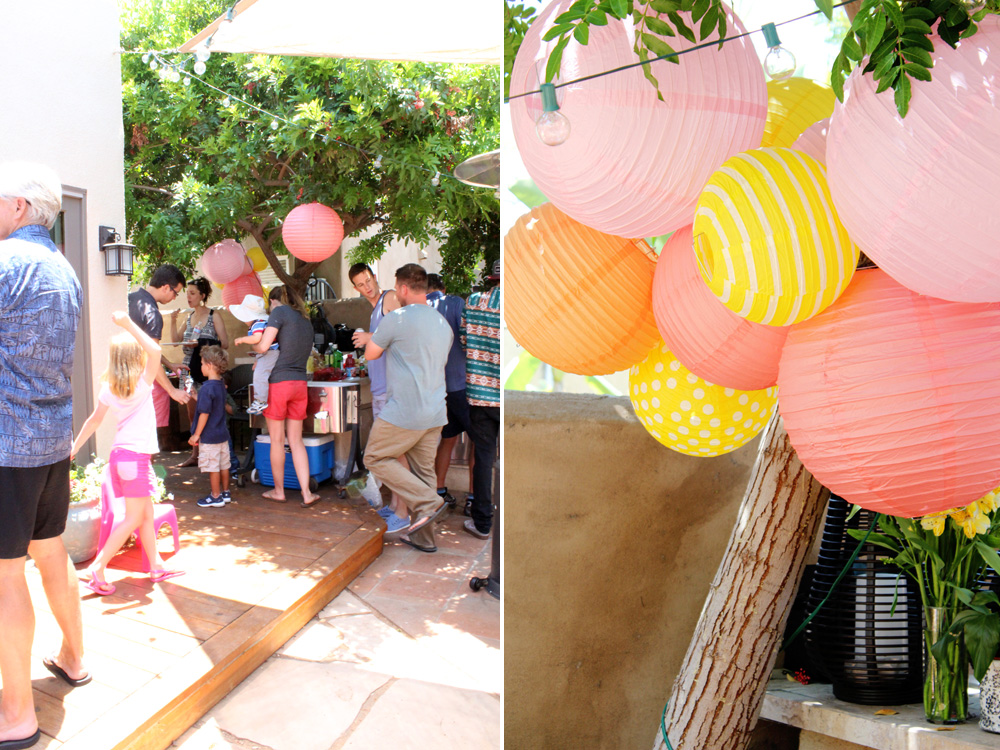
(83, 521)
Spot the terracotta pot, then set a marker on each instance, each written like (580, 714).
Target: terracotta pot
(83, 529)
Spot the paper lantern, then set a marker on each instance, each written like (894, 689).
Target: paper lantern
(768, 240)
(792, 106)
(813, 140)
(707, 337)
(257, 258)
(919, 193)
(690, 415)
(633, 166)
(224, 262)
(892, 399)
(234, 292)
(312, 232)
(576, 298)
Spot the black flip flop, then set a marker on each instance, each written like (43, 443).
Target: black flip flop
(304, 504)
(413, 544)
(61, 674)
(22, 744)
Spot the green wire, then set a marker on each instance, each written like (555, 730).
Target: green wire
(800, 628)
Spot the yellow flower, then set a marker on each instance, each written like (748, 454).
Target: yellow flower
(934, 522)
(974, 521)
(989, 502)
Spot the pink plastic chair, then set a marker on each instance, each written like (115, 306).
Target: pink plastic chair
(113, 513)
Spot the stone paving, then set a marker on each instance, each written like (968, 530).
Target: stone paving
(408, 656)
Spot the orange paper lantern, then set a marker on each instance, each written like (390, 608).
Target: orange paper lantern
(577, 298)
(234, 292)
(706, 336)
(312, 232)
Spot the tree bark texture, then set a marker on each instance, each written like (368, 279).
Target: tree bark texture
(717, 696)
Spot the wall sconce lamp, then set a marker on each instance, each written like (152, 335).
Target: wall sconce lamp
(117, 254)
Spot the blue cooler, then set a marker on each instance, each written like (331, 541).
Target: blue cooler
(320, 450)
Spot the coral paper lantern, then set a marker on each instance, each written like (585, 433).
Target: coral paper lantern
(633, 165)
(576, 298)
(312, 232)
(792, 106)
(813, 140)
(919, 193)
(710, 339)
(768, 240)
(690, 415)
(224, 262)
(234, 292)
(892, 399)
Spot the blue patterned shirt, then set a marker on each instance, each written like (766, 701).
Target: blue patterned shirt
(40, 301)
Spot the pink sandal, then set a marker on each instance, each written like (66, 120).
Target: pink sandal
(101, 588)
(161, 575)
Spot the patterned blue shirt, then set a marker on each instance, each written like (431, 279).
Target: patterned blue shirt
(40, 301)
(451, 308)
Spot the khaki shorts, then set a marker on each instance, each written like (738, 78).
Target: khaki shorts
(213, 457)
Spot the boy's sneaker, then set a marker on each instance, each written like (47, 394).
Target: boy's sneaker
(211, 502)
(226, 497)
(257, 407)
(396, 525)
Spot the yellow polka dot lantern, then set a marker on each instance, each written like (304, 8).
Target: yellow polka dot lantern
(768, 240)
(792, 106)
(691, 415)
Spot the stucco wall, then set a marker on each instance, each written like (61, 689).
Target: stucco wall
(62, 107)
(610, 544)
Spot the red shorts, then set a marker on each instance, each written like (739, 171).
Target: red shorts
(131, 473)
(287, 400)
(161, 405)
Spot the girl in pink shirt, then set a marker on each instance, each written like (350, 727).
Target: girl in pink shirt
(127, 391)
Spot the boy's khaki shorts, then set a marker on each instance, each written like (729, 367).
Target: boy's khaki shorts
(213, 457)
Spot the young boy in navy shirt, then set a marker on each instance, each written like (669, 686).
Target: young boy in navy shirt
(211, 432)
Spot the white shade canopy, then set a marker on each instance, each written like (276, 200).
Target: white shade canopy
(442, 31)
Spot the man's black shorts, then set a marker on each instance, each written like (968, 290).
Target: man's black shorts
(458, 414)
(33, 505)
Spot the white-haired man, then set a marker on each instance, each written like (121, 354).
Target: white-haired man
(40, 301)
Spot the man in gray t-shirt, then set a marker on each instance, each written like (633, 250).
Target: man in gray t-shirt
(415, 339)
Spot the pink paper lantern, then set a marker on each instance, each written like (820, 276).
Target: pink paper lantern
(234, 292)
(813, 140)
(711, 340)
(633, 166)
(892, 399)
(224, 262)
(312, 232)
(918, 194)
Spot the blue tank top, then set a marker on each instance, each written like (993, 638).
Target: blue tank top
(376, 367)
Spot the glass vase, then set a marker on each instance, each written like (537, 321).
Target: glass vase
(946, 683)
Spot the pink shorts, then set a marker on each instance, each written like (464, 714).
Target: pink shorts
(161, 405)
(287, 400)
(131, 473)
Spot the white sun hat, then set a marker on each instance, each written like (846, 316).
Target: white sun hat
(252, 308)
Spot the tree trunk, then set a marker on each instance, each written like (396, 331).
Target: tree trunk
(717, 696)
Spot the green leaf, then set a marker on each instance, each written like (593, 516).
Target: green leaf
(557, 31)
(917, 71)
(887, 45)
(914, 39)
(665, 6)
(895, 15)
(657, 46)
(647, 71)
(573, 14)
(682, 27)
(874, 31)
(885, 65)
(827, 7)
(700, 7)
(582, 33)
(989, 555)
(851, 48)
(723, 28)
(956, 15)
(837, 76)
(555, 60)
(619, 8)
(902, 97)
(888, 81)
(708, 23)
(915, 24)
(598, 18)
(923, 13)
(659, 26)
(917, 55)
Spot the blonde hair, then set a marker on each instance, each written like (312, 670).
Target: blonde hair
(126, 364)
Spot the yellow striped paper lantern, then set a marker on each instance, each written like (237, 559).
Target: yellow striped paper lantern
(768, 240)
(792, 106)
(690, 415)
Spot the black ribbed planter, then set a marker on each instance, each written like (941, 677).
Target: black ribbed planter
(871, 655)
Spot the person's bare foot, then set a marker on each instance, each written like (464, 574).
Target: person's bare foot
(72, 666)
(309, 499)
(20, 729)
(274, 496)
(192, 460)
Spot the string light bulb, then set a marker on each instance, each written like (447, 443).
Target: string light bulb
(225, 101)
(187, 80)
(378, 162)
(779, 63)
(551, 126)
(436, 179)
(202, 53)
(274, 124)
(145, 58)
(200, 68)
(152, 65)
(228, 18)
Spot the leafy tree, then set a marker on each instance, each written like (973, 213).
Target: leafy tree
(363, 137)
